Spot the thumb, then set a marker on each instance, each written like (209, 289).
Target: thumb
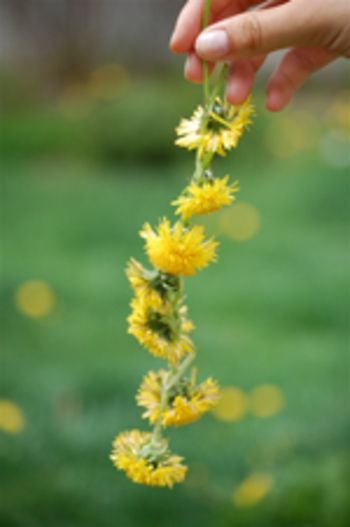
(259, 32)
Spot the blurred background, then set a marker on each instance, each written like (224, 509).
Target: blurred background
(90, 96)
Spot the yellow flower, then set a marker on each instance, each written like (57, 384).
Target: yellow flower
(216, 131)
(178, 250)
(160, 327)
(206, 197)
(186, 402)
(147, 462)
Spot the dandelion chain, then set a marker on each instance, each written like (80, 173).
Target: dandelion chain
(158, 320)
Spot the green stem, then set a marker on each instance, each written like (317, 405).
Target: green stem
(162, 405)
(174, 379)
(180, 370)
(202, 164)
(205, 21)
(219, 84)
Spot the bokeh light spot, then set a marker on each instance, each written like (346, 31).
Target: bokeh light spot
(35, 299)
(11, 417)
(339, 112)
(232, 405)
(240, 222)
(266, 400)
(292, 133)
(108, 80)
(252, 490)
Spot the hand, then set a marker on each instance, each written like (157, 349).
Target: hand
(316, 31)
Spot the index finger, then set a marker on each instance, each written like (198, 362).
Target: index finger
(189, 22)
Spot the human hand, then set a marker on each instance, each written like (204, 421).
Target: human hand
(316, 31)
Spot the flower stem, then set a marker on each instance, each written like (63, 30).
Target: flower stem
(220, 82)
(205, 21)
(173, 380)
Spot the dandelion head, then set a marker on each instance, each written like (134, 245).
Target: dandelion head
(185, 403)
(215, 130)
(178, 250)
(205, 196)
(146, 461)
(160, 329)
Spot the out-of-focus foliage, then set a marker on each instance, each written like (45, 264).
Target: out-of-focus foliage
(107, 119)
(111, 117)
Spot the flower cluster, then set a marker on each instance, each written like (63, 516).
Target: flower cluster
(159, 317)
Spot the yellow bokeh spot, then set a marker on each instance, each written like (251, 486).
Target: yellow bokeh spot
(35, 299)
(266, 400)
(232, 405)
(292, 133)
(339, 111)
(252, 490)
(108, 80)
(11, 417)
(240, 222)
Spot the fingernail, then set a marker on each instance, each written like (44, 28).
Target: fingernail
(213, 44)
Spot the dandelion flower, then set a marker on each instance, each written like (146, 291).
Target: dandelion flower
(178, 250)
(145, 461)
(160, 328)
(216, 131)
(186, 401)
(203, 198)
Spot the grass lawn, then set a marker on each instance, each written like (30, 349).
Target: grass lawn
(273, 310)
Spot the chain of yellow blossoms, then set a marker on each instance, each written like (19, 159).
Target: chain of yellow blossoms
(158, 319)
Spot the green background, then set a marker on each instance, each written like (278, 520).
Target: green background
(76, 188)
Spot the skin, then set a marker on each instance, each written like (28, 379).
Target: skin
(314, 33)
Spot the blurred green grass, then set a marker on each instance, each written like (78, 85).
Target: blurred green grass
(273, 310)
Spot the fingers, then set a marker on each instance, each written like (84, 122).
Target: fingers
(189, 22)
(241, 76)
(258, 32)
(241, 79)
(188, 26)
(296, 66)
(194, 68)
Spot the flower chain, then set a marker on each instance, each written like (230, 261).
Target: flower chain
(158, 319)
